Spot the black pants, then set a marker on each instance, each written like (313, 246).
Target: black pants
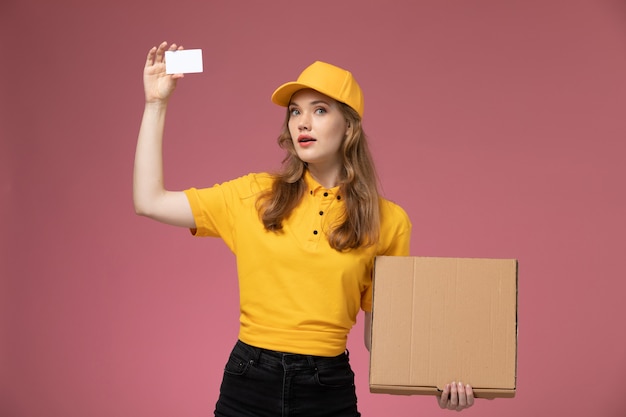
(264, 383)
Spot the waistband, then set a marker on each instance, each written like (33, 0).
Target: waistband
(259, 354)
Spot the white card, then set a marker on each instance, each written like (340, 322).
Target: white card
(184, 61)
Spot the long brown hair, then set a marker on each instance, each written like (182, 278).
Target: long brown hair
(358, 186)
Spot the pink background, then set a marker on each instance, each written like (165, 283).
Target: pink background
(498, 125)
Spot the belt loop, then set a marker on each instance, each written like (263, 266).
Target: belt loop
(257, 354)
(311, 361)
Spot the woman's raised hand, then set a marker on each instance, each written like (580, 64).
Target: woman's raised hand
(158, 85)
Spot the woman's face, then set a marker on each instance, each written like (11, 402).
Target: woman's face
(318, 128)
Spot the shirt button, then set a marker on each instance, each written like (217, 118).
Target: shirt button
(338, 197)
(314, 232)
(325, 194)
(321, 213)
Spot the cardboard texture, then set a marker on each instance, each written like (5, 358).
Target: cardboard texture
(438, 320)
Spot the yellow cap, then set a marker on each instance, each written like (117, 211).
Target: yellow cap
(328, 79)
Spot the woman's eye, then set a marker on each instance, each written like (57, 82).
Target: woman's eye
(294, 112)
(320, 111)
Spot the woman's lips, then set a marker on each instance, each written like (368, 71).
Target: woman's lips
(305, 140)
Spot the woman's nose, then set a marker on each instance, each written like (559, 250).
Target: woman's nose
(304, 122)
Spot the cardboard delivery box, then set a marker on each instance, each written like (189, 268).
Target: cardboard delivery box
(438, 320)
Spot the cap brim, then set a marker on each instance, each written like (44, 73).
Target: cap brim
(282, 95)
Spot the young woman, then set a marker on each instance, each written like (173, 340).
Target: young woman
(305, 240)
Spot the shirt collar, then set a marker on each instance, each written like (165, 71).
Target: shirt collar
(314, 187)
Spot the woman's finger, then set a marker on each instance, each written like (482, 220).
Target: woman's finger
(150, 57)
(469, 393)
(462, 397)
(160, 53)
(445, 397)
(454, 397)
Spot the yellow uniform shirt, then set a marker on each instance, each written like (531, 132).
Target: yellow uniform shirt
(297, 294)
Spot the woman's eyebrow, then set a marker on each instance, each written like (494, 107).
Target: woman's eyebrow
(312, 103)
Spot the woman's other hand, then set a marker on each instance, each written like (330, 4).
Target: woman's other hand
(456, 397)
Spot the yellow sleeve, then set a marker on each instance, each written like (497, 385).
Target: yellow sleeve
(395, 240)
(396, 227)
(210, 211)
